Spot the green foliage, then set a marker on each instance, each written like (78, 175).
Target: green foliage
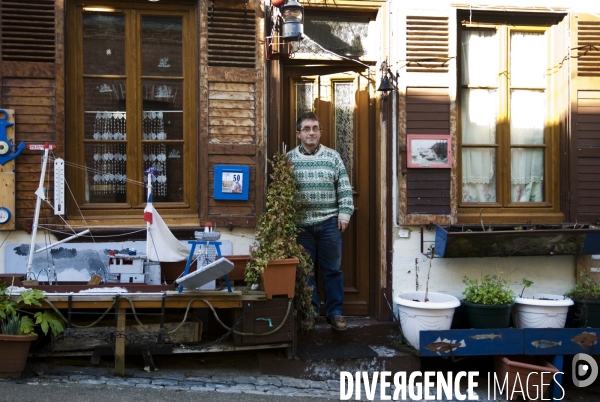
(15, 321)
(276, 233)
(491, 290)
(526, 283)
(585, 289)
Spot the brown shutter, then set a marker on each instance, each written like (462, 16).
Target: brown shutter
(31, 74)
(231, 108)
(427, 189)
(584, 152)
(28, 30)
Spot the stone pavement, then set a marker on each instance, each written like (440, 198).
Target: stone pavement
(234, 373)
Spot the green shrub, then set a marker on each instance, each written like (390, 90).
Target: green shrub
(585, 289)
(491, 290)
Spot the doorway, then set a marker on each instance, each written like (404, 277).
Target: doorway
(339, 96)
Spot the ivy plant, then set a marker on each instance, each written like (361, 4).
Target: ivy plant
(492, 291)
(276, 232)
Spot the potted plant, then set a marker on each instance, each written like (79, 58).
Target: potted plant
(277, 261)
(488, 303)
(586, 298)
(424, 310)
(540, 310)
(19, 328)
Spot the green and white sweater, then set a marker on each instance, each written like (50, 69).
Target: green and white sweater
(324, 184)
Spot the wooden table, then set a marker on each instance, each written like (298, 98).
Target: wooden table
(168, 299)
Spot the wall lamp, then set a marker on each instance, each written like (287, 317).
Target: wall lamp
(387, 81)
(292, 13)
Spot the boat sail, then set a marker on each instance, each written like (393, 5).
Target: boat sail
(161, 244)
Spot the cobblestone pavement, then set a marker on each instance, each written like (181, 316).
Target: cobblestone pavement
(238, 376)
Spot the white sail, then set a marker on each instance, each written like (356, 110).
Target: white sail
(161, 244)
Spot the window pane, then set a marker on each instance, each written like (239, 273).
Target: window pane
(527, 116)
(104, 108)
(167, 159)
(528, 59)
(478, 175)
(344, 124)
(478, 110)
(304, 98)
(527, 175)
(163, 110)
(103, 44)
(162, 46)
(348, 36)
(480, 58)
(105, 178)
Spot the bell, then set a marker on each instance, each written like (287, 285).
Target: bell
(385, 85)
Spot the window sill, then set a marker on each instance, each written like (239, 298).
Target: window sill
(516, 240)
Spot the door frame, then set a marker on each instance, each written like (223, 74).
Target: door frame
(379, 261)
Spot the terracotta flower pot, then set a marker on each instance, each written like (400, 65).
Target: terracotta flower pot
(279, 278)
(14, 350)
(239, 266)
(532, 386)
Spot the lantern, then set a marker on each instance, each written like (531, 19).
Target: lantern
(293, 20)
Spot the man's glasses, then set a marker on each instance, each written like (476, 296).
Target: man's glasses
(307, 130)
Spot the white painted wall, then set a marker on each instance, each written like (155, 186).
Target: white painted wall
(554, 274)
(242, 239)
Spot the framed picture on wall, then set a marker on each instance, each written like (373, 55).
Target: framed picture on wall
(428, 151)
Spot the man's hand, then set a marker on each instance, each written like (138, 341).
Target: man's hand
(342, 224)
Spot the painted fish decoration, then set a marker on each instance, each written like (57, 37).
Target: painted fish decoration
(486, 336)
(585, 339)
(444, 346)
(545, 344)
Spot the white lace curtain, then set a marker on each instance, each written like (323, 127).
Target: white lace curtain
(479, 106)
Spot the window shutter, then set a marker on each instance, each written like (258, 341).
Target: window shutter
(584, 196)
(231, 115)
(231, 38)
(28, 30)
(28, 73)
(428, 189)
(427, 44)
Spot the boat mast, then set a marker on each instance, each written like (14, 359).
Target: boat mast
(38, 203)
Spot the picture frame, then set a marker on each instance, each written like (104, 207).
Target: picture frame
(429, 151)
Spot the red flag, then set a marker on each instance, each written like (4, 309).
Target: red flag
(148, 213)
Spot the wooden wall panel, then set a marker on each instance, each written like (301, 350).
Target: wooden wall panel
(231, 117)
(583, 186)
(34, 102)
(428, 190)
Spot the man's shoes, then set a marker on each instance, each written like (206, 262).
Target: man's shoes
(337, 323)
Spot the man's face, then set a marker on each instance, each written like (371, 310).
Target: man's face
(309, 134)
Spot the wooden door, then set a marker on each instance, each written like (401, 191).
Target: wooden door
(340, 98)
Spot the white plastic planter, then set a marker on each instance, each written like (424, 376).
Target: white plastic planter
(417, 315)
(541, 310)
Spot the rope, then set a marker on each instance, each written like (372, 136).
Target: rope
(287, 313)
(75, 325)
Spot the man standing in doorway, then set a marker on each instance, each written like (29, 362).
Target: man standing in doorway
(325, 188)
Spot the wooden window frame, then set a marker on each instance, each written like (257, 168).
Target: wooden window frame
(505, 211)
(116, 214)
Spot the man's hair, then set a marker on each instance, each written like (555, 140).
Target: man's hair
(306, 116)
